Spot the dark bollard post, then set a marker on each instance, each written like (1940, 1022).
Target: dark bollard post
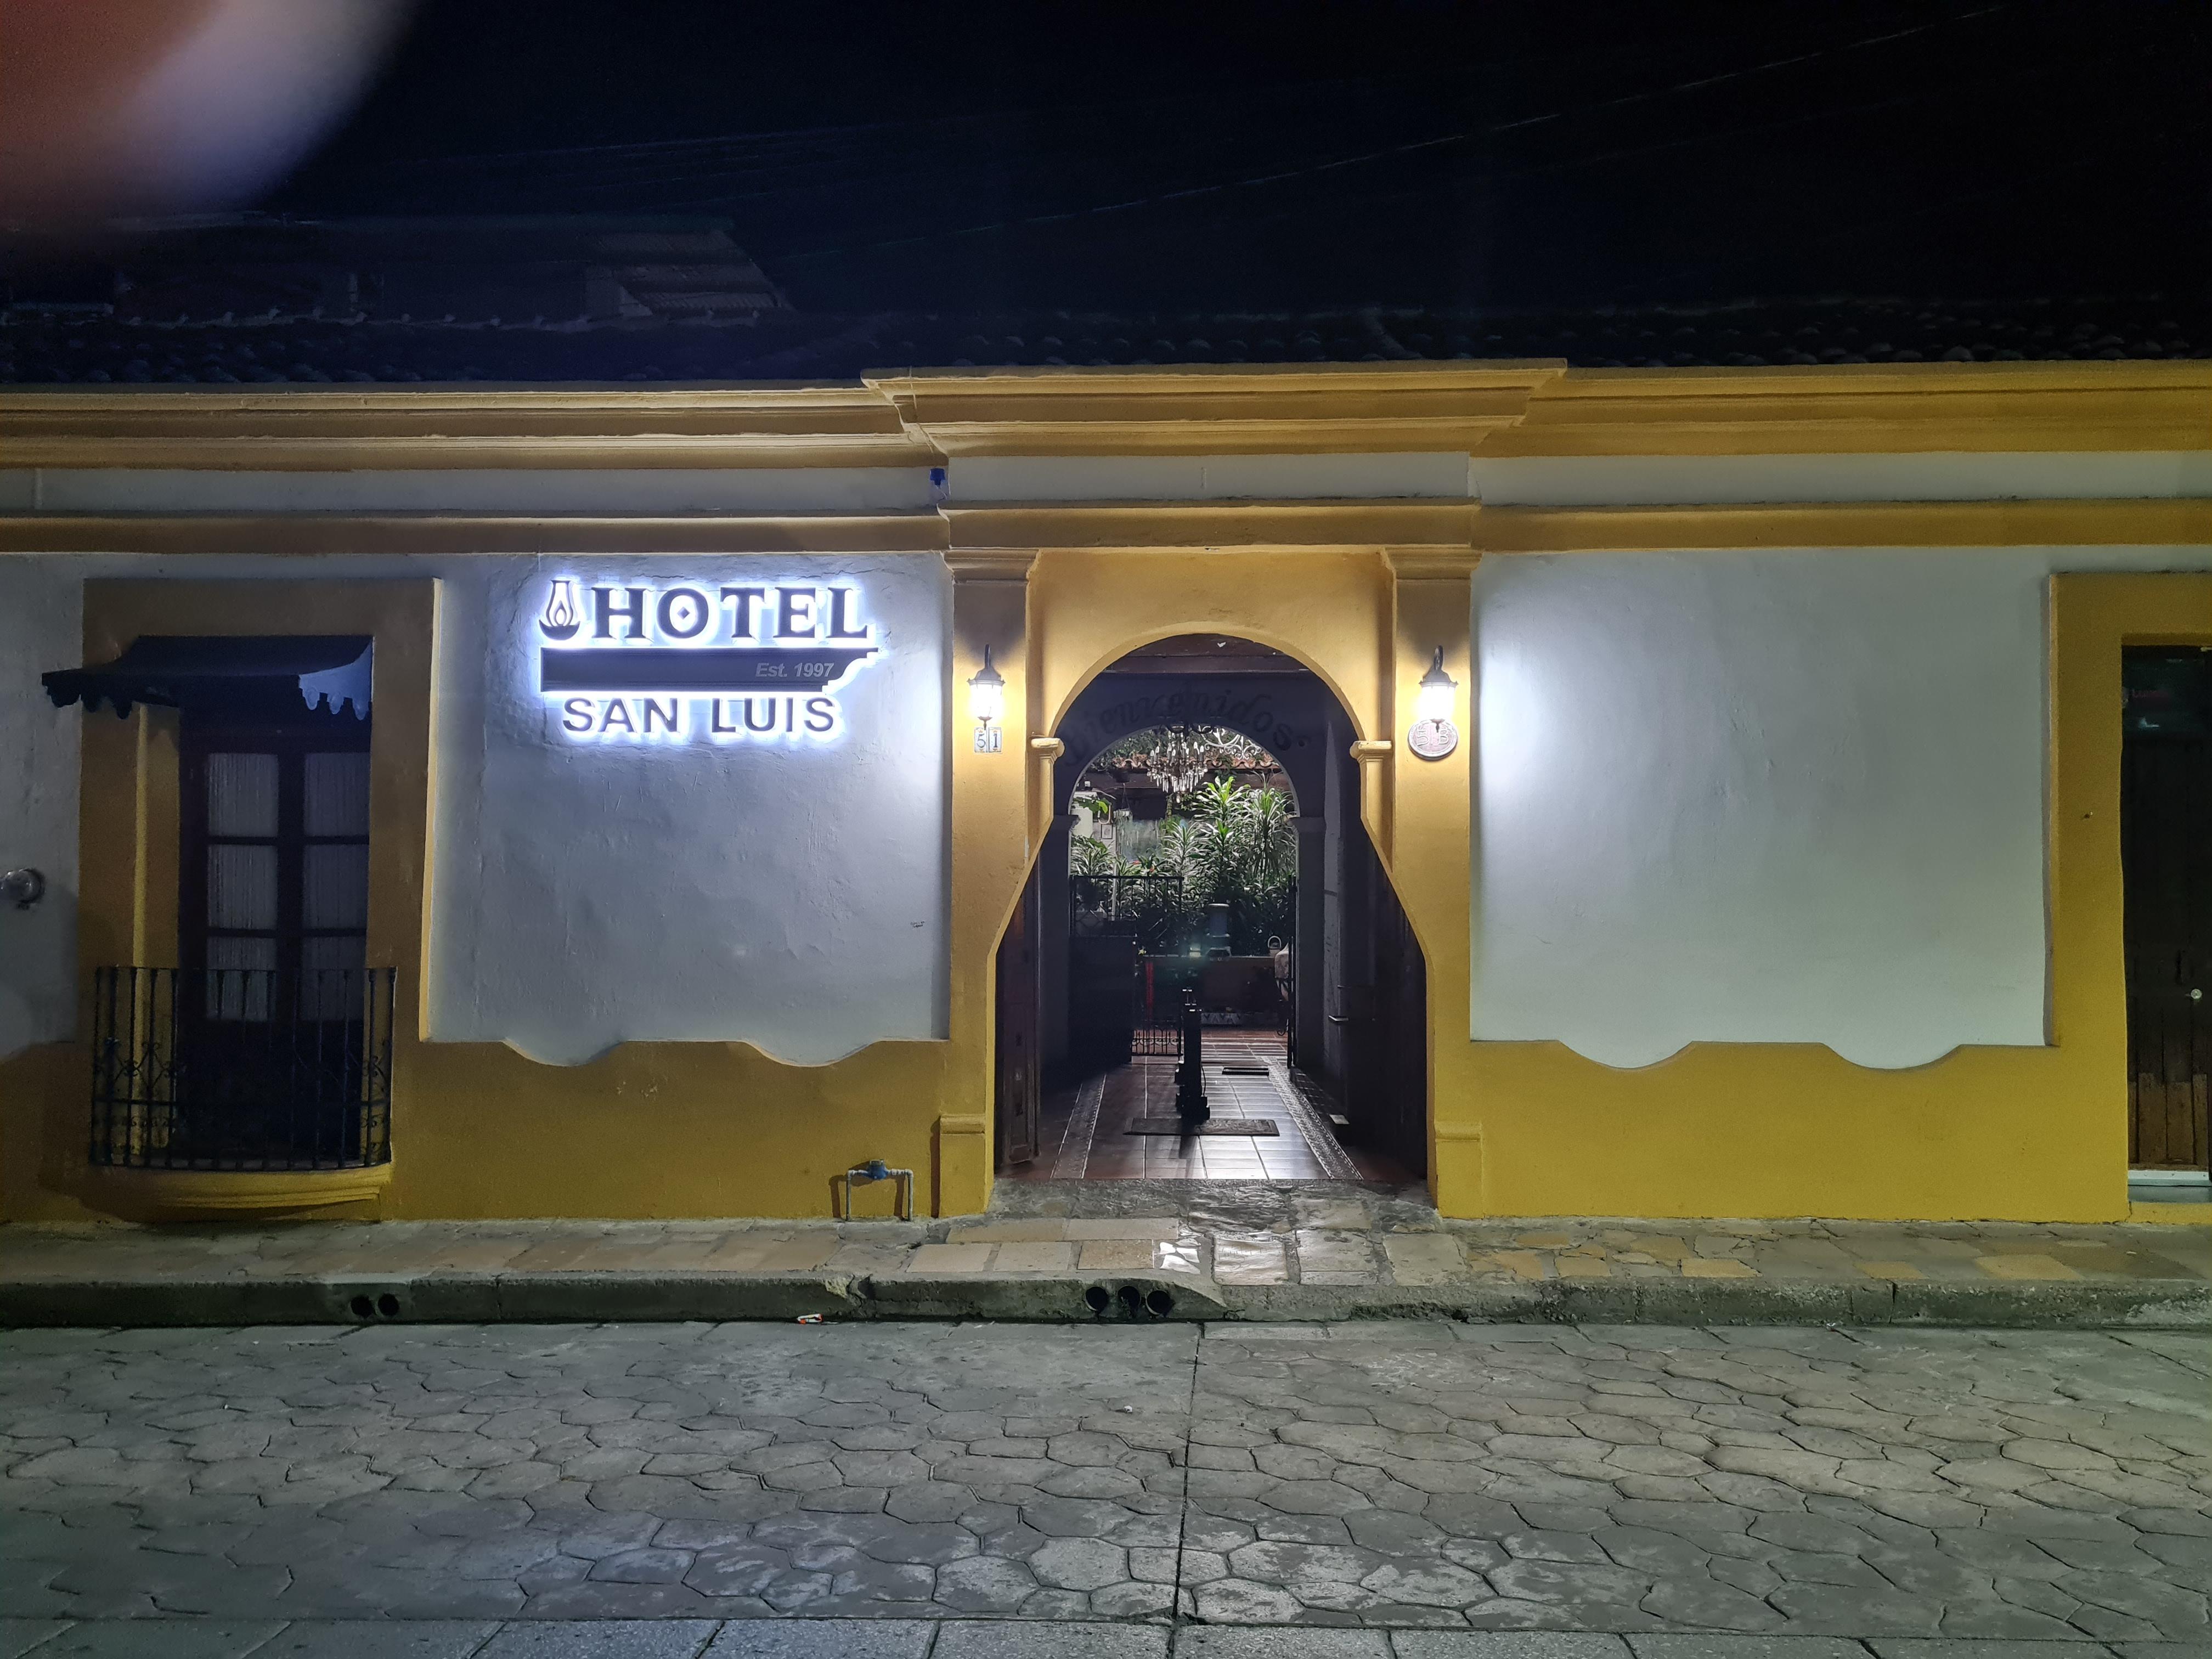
(1190, 1076)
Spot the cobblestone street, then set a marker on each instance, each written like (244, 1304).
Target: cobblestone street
(1164, 1480)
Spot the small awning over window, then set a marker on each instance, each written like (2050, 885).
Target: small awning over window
(331, 671)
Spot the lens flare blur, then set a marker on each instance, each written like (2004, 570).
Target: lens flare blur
(112, 107)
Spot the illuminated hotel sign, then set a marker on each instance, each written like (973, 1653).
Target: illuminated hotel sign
(755, 662)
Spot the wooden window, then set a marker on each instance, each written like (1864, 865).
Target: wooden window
(274, 874)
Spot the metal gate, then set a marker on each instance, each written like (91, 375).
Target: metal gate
(1120, 927)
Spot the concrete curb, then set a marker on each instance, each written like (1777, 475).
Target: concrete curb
(2147, 1305)
(576, 1298)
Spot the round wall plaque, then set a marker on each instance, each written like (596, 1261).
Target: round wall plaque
(1432, 739)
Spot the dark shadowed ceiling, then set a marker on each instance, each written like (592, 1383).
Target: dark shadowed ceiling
(1278, 158)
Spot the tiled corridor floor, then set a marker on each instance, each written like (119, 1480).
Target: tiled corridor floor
(1085, 1128)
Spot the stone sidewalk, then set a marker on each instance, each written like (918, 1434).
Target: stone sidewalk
(1125, 1250)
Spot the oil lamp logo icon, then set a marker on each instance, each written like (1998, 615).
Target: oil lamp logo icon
(560, 619)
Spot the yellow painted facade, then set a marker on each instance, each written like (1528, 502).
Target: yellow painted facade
(1362, 592)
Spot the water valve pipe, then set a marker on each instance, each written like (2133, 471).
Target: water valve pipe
(864, 1174)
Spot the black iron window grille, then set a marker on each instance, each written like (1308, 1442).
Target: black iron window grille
(241, 1068)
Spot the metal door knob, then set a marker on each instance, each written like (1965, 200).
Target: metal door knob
(26, 887)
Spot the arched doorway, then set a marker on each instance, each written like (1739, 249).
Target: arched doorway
(1182, 865)
(1206, 807)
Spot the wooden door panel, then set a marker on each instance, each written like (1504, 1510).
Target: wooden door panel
(1018, 1086)
(2166, 853)
(1385, 1022)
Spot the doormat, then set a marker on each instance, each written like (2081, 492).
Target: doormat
(1212, 1126)
(1243, 1071)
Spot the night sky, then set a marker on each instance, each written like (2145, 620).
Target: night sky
(1291, 156)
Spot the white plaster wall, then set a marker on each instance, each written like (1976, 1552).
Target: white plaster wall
(1688, 480)
(40, 623)
(736, 490)
(1535, 481)
(583, 897)
(518, 489)
(588, 895)
(1204, 477)
(1765, 798)
(1750, 797)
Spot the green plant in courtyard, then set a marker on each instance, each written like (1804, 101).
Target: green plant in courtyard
(1230, 846)
(1221, 842)
(1087, 855)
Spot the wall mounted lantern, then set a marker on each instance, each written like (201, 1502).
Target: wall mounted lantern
(987, 701)
(1433, 735)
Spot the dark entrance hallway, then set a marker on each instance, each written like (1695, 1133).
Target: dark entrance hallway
(1085, 1133)
(1185, 757)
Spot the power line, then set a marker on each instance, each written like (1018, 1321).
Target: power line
(611, 168)
(1391, 151)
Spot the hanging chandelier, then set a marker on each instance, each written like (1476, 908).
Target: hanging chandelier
(1180, 758)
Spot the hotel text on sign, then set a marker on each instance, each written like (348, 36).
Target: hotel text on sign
(758, 661)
